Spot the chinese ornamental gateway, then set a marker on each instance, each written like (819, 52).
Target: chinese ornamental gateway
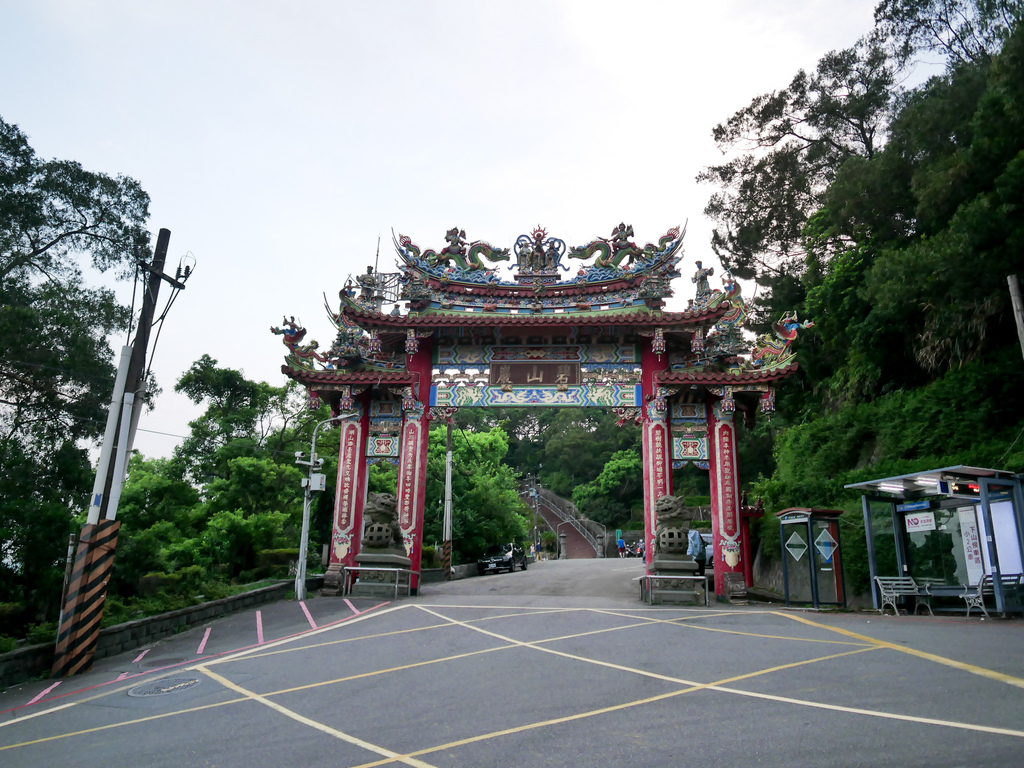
(538, 324)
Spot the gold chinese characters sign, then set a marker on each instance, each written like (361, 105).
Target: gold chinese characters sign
(547, 374)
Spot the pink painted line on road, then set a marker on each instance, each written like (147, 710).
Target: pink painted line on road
(122, 676)
(202, 645)
(259, 627)
(97, 686)
(349, 604)
(305, 610)
(44, 692)
(139, 657)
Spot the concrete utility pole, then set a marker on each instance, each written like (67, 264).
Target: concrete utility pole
(86, 595)
(134, 384)
(1018, 308)
(316, 481)
(446, 546)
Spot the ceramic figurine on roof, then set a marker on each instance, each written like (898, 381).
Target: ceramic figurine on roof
(701, 280)
(537, 252)
(301, 355)
(610, 252)
(454, 254)
(775, 352)
(726, 338)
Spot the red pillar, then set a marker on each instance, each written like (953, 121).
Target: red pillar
(412, 468)
(725, 495)
(657, 454)
(350, 495)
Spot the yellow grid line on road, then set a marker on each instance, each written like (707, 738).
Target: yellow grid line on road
(679, 622)
(340, 735)
(720, 686)
(384, 634)
(123, 723)
(871, 644)
(691, 687)
(972, 668)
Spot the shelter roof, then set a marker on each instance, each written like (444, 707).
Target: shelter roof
(927, 482)
(808, 512)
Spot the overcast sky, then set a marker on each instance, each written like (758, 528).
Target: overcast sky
(278, 140)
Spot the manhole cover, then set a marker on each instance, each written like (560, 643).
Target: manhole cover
(163, 687)
(154, 663)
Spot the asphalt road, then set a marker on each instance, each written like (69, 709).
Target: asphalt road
(559, 665)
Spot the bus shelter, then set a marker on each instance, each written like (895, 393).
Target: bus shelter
(812, 565)
(947, 529)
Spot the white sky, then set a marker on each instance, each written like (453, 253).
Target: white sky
(279, 140)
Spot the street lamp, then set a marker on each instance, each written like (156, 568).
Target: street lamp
(316, 481)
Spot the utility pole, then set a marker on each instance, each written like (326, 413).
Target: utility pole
(316, 481)
(1018, 308)
(86, 595)
(446, 546)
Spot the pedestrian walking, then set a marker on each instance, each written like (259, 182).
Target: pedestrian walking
(696, 549)
(622, 547)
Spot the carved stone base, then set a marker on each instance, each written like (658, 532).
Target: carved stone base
(735, 588)
(332, 581)
(682, 591)
(371, 583)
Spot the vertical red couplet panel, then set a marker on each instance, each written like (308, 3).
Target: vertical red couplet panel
(725, 497)
(350, 497)
(412, 470)
(655, 439)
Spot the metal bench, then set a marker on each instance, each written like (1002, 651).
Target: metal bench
(892, 588)
(974, 594)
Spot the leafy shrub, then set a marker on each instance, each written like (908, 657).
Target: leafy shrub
(431, 558)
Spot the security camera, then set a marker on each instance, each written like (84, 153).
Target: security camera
(318, 463)
(300, 454)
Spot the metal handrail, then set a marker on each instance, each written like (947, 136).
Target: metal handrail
(567, 512)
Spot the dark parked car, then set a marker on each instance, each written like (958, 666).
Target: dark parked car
(502, 557)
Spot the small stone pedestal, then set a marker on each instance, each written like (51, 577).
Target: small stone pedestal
(374, 583)
(332, 580)
(667, 590)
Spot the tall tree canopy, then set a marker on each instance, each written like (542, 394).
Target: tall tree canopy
(56, 367)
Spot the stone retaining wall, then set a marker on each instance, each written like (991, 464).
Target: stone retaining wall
(36, 660)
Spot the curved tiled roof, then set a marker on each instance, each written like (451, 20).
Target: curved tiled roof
(454, 319)
(753, 376)
(342, 376)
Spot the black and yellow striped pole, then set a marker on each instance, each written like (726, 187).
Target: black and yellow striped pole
(87, 593)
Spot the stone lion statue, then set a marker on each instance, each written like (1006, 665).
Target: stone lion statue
(673, 520)
(380, 522)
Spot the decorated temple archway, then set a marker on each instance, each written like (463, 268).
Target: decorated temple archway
(557, 326)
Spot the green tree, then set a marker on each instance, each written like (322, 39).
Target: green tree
(487, 508)
(610, 498)
(56, 368)
(241, 417)
(787, 147)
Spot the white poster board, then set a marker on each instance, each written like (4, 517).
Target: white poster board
(1005, 530)
(972, 545)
